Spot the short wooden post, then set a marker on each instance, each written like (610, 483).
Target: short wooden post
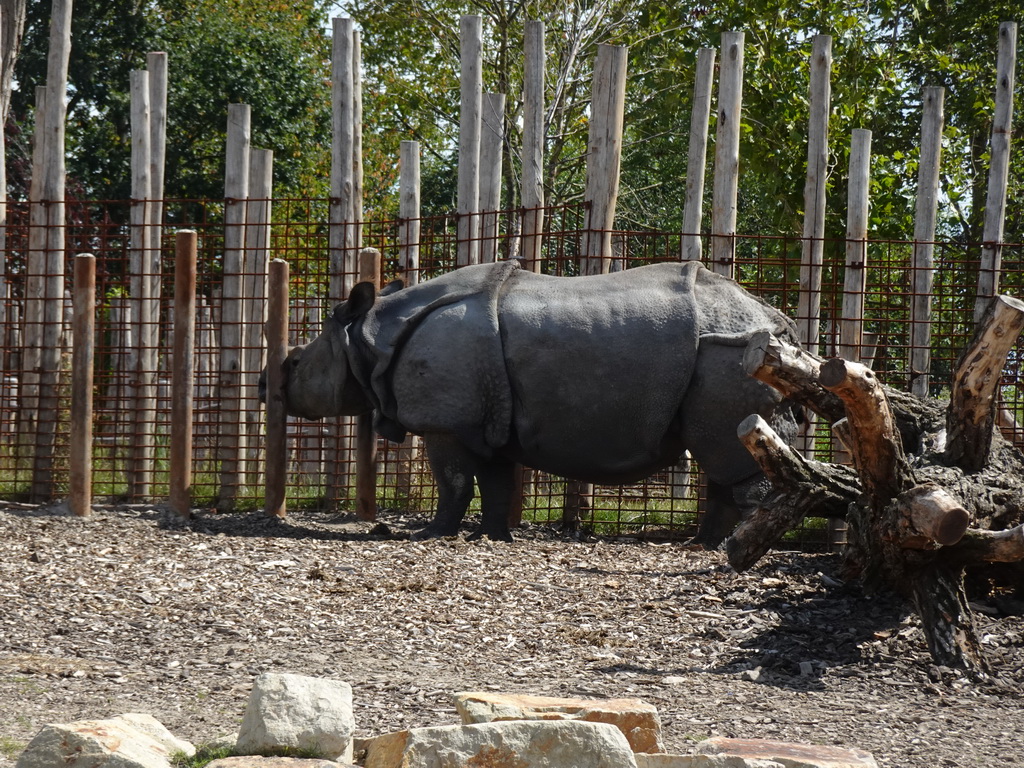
(470, 115)
(696, 162)
(366, 438)
(727, 155)
(236, 191)
(923, 268)
(277, 420)
(532, 194)
(998, 170)
(82, 356)
(183, 372)
(604, 155)
(491, 144)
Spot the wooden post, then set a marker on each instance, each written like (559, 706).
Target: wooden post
(851, 326)
(998, 170)
(809, 310)
(366, 438)
(923, 268)
(697, 159)
(52, 193)
(277, 421)
(470, 115)
(341, 235)
(183, 373)
(28, 417)
(82, 356)
(156, 63)
(604, 153)
(232, 321)
(491, 144)
(727, 155)
(409, 268)
(145, 310)
(257, 255)
(409, 212)
(532, 194)
(357, 140)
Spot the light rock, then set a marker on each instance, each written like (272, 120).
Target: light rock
(702, 761)
(113, 743)
(638, 720)
(153, 727)
(790, 755)
(519, 743)
(298, 712)
(255, 761)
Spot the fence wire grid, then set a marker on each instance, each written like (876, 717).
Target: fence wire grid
(667, 503)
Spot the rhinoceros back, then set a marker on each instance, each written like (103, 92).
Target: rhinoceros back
(598, 367)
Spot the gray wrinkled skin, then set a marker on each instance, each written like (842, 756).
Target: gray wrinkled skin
(605, 379)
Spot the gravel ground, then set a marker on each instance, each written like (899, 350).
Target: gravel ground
(121, 613)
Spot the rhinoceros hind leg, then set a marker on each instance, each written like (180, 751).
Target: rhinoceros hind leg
(720, 518)
(496, 478)
(453, 467)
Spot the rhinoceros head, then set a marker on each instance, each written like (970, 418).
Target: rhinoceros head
(317, 380)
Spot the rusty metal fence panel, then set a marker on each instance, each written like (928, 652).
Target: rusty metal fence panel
(666, 503)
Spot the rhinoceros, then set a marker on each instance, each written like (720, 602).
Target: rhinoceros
(604, 378)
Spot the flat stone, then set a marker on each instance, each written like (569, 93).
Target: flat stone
(504, 744)
(113, 743)
(638, 720)
(702, 761)
(789, 754)
(255, 761)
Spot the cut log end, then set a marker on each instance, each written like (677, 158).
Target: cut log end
(933, 513)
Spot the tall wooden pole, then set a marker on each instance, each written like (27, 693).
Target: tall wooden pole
(924, 236)
(277, 420)
(491, 144)
(342, 234)
(813, 251)
(366, 437)
(183, 372)
(998, 171)
(604, 157)
(145, 310)
(727, 155)
(470, 112)
(82, 356)
(52, 193)
(409, 212)
(532, 194)
(851, 326)
(236, 192)
(696, 163)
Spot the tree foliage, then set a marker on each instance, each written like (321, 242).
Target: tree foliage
(270, 55)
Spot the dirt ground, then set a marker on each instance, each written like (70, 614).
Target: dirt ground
(121, 613)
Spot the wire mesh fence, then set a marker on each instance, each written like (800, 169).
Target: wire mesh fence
(668, 502)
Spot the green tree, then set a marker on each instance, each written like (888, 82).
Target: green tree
(272, 56)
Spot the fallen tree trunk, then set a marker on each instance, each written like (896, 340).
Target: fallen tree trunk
(934, 487)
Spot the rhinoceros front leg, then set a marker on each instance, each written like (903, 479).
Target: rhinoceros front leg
(720, 516)
(453, 467)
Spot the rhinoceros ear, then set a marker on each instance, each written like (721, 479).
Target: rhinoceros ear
(393, 287)
(360, 300)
